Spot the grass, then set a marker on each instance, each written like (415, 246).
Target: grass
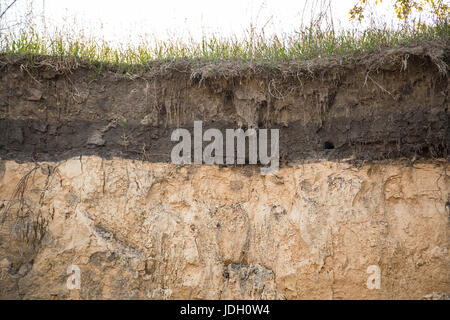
(309, 43)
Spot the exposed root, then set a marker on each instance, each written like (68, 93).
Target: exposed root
(28, 225)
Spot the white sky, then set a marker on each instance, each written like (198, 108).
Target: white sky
(122, 21)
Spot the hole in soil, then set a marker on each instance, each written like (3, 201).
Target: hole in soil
(424, 151)
(328, 145)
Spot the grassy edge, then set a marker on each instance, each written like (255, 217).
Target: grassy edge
(67, 53)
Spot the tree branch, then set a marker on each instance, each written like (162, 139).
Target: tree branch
(7, 8)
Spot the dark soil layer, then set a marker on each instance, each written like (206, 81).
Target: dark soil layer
(388, 104)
